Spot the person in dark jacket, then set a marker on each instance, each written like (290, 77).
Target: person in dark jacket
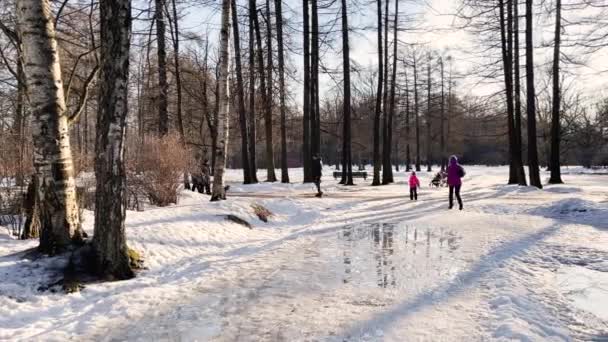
(206, 173)
(455, 174)
(317, 168)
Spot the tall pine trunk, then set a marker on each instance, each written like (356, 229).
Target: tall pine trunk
(517, 154)
(163, 85)
(253, 165)
(315, 117)
(531, 101)
(278, 7)
(416, 113)
(240, 94)
(554, 163)
(506, 49)
(178, 83)
(442, 114)
(377, 159)
(53, 167)
(391, 112)
(109, 239)
(347, 163)
(271, 176)
(219, 192)
(306, 143)
(387, 169)
(429, 157)
(408, 157)
(178, 77)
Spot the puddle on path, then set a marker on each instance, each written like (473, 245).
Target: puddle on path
(389, 255)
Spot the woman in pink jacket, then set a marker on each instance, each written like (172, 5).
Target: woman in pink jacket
(414, 184)
(455, 174)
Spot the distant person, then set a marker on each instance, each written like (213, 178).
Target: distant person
(414, 185)
(206, 177)
(455, 174)
(317, 168)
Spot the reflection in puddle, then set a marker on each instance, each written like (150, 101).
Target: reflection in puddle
(390, 255)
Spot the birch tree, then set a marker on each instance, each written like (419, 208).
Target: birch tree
(54, 180)
(218, 191)
(109, 240)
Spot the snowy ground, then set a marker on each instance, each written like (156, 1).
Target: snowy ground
(362, 264)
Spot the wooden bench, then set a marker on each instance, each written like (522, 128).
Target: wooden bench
(356, 174)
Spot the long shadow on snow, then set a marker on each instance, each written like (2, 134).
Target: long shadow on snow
(383, 320)
(575, 211)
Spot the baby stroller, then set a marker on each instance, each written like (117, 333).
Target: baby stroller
(440, 180)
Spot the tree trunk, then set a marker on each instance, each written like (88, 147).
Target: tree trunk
(279, 17)
(347, 164)
(56, 190)
(178, 84)
(377, 159)
(556, 177)
(408, 159)
(315, 121)
(416, 114)
(109, 239)
(429, 158)
(506, 49)
(178, 78)
(442, 123)
(517, 154)
(387, 169)
(240, 96)
(265, 99)
(306, 146)
(163, 85)
(391, 112)
(271, 176)
(218, 191)
(19, 122)
(253, 165)
(31, 205)
(531, 103)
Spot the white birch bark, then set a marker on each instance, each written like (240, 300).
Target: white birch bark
(60, 222)
(218, 191)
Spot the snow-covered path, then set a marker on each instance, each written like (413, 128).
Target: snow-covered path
(361, 264)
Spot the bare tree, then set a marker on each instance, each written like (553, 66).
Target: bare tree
(218, 191)
(517, 153)
(554, 159)
(279, 18)
(163, 85)
(531, 101)
(55, 186)
(377, 157)
(109, 239)
(347, 164)
(306, 129)
(240, 94)
(253, 165)
(271, 176)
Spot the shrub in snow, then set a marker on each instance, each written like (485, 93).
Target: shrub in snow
(159, 168)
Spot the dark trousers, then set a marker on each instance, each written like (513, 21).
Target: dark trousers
(317, 182)
(413, 194)
(457, 188)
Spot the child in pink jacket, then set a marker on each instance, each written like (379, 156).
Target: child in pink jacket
(414, 185)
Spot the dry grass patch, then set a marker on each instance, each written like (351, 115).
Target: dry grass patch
(261, 212)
